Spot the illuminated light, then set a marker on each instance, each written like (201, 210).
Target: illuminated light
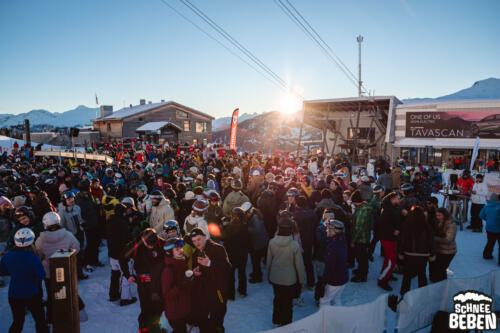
(214, 229)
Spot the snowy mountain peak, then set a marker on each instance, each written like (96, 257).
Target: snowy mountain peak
(483, 89)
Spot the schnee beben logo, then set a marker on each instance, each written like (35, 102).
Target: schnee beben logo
(472, 311)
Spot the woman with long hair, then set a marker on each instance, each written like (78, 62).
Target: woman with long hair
(416, 248)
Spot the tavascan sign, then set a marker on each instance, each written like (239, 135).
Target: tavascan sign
(453, 124)
(473, 310)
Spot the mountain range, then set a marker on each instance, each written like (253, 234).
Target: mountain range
(256, 131)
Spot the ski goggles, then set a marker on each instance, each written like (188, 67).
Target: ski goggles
(178, 243)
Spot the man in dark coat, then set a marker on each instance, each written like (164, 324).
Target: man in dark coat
(90, 214)
(307, 222)
(388, 227)
(147, 252)
(211, 264)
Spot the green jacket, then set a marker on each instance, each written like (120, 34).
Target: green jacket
(361, 221)
(233, 199)
(284, 261)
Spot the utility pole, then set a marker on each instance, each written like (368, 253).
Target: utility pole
(27, 132)
(355, 148)
(360, 83)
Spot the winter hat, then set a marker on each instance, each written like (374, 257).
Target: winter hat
(200, 205)
(356, 197)
(156, 195)
(256, 173)
(246, 206)
(335, 224)
(328, 215)
(365, 179)
(150, 236)
(292, 192)
(406, 187)
(236, 184)
(63, 188)
(197, 232)
(269, 177)
(19, 200)
(189, 195)
(377, 189)
(200, 177)
(4, 199)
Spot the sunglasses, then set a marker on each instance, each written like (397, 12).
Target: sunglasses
(178, 243)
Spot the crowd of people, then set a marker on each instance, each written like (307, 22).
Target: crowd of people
(179, 223)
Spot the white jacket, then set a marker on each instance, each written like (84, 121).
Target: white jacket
(51, 241)
(194, 221)
(481, 190)
(161, 214)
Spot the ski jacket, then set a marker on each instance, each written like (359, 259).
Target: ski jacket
(285, 265)
(51, 241)
(336, 272)
(26, 272)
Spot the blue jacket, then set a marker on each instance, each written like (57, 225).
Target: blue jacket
(26, 271)
(258, 233)
(107, 180)
(336, 273)
(491, 213)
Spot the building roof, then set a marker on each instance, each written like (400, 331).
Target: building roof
(137, 109)
(156, 126)
(451, 103)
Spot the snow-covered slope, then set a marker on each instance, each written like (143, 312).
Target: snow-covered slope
(254, 313)
(484, 89)
(80, 116)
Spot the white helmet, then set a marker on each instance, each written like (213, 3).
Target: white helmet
(128, 201)
(24, 237)
(51, 218)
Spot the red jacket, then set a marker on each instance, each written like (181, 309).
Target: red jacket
(465, 185)
(175, 292)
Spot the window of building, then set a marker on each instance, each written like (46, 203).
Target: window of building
(186, 126)
(181, 114)
(109, 127)
(201, 127)
(141, 119)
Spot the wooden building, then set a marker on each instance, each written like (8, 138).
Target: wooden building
(168, 120)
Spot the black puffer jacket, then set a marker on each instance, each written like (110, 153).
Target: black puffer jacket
(88, 209)
(307, 222)
(389, 221)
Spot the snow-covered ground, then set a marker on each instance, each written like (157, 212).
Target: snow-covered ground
(253, 314)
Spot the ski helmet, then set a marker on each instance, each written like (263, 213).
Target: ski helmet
(51, 218)
(129, 202)
(172, 225)
(170, 244)
(24, 237)
(142, 188)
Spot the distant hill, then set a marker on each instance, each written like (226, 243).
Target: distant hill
(80, 116)
(262, 131)
(484, 89)
(224, 122)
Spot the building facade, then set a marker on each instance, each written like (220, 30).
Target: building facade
(433, 133)
(196, 126)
